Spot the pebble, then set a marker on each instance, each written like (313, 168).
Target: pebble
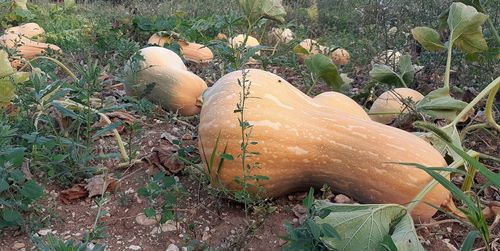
(142, 219)
(295, 220)
(205, 236)
(342, 199)
(18, 245)
(172, 247)
(134, 247)
(44, 232)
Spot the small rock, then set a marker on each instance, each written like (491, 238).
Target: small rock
(295, 220)
(233, 231)
(18, 245)
(291, 197)
(44, 232)
(342, 199)
(299, 210)
(205, 236)
(134, 247)
(172, 247)
(142, 219)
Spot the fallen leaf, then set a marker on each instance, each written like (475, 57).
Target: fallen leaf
(123, 116)
(95, 185)
(73, 194)
(165, 158)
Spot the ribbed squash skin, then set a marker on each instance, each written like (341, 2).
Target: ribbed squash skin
(175, 88)
(339, 101)
(391, 104)
(27, 48)
(156, 39)
(28, 30)
(301, 144)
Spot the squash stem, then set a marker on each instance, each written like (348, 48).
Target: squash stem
(489, 108)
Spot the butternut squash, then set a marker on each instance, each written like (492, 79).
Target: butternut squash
(26, 47)
(196, 53)
(237, 41)
(339, 101)
(312, 47)
(388, 106)
(302, 144)
(192, 52)
(29, 30)
(162, 77)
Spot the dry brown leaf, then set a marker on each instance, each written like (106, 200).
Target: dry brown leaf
(95, 185)
(73, 194)
(165, 158)
(124, 116)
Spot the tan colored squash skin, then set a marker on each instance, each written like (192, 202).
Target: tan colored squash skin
(340, 56)
(29, 30)
(156, 39)
(302, 145)
(27, 48)
(176, 88)
(339, 101)
(196, 53)
(388, 102)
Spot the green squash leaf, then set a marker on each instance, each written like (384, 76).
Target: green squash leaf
(323, 67)
(384, 74)
(440, 104)
(32, 190)
(255, 10)
(406, 69)
(363, 227)
(428, 38)
(465, 28)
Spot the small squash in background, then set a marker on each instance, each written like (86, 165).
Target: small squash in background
(162, 77)
(193, 52)
(388, 106)
(29, 30)
(26, 47)
(340, 56)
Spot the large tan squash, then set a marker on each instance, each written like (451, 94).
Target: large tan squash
(341, 102)
(388, 106)
(302, 144)
(29, 30)
(26, 47)
(163, 78)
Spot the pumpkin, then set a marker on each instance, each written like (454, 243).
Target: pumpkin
(340, 56)
(341, 102)
(162, 77)
(28, 30)
(388, 106)
(26, 47)
(303, 144)
(311, 46)
(280, 35)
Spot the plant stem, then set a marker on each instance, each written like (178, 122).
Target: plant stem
(494, 30)
(448, 65)
(117, 136)
(489, 108)
(483, 93)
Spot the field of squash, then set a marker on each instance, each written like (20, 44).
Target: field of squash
(249, 125)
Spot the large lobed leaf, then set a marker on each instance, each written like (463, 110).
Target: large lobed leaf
(428, 38)
(8, 79)
(254, 10)
(465, 23)
(364, 227)
(440, 104)
(323, 67)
